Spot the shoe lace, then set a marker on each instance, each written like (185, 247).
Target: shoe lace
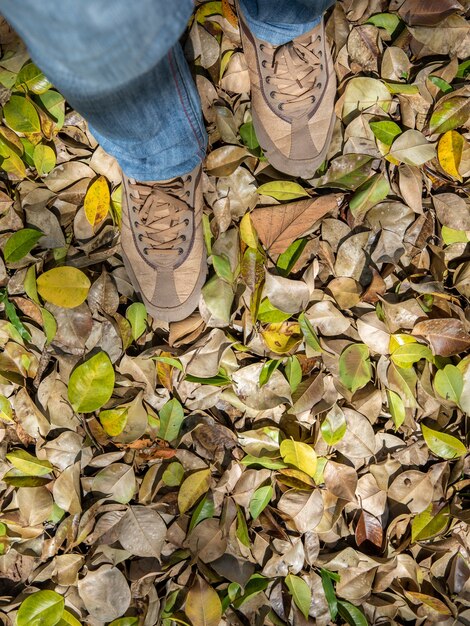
(296, 66)
(161, 216)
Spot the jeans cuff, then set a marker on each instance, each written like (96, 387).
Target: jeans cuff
(276, 34)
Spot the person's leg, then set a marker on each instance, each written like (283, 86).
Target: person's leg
(280, 21)
(120, 65)
(293, 83)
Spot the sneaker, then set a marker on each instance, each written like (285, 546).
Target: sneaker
(162, 243)
(293, 88)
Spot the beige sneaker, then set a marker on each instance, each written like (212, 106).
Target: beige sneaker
(162, 243)
(293, 88)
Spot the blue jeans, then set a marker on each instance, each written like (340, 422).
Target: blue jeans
(119, 63)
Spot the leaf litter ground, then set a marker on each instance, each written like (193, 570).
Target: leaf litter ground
(295, 452)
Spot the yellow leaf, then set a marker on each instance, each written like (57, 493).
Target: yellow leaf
(282, 337)
(300, 455)
(203, 606)
(431, 602)
(449, 151)
(97, 201)
(193, 488)
(64, 286)
(248, 232)
(398, 340)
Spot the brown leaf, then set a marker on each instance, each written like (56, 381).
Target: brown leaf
(446, 336)
(279, 226)
(369, 529)
(427, 12)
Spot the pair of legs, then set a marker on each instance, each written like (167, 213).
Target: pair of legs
(119, 63)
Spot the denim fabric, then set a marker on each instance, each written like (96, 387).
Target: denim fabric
(280, 21)
(119, 63)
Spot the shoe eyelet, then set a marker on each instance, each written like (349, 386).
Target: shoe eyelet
(314, 98)
(263, 63)
(280, 106)
(190, 178)
(320, 53)
(261, 47)
(187, 194)
(268, 79)
(319, 38)
(318, 85)
(183, 237)
(272, 94)
(180, 251)
(140, 238)
(136, 224)
(146, 252)
(186, 222)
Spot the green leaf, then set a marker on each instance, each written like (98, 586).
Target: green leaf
(264, 461)
(300, 455)
(268, 370)
(64, 286)
(248, 135)
(20, 243)
(11, 314)
(428, 524)
(91, 384)
(443, 445)
(450, 236)
(219, 380)
(441, 84)
(44, 159)
(69, 620)
(293, 372)
(402, 88)
(464, 69)
(242, 528)
(289, 257)
(114, 421)
(283, 190)
(300, 592)
(355, 369)
(49, 324)
(333, 428)
(204, 510)
(6, 412)
(171, 417)
(173, 475)
(260, 500)
(386, 131)
(309, 334)
(54, 103)
(125, 621)
(31, 77)
(16, 479)
(193, 487)
(43, 608)
(222, 268)
(450, 114)
(21, 116)
(389, 21)
(448, 383)
(409, 353)
(269, 314)
(397, 408)
(351, 614)
(136, 314)
(369, 194)
(329, 590)
(28, 464)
